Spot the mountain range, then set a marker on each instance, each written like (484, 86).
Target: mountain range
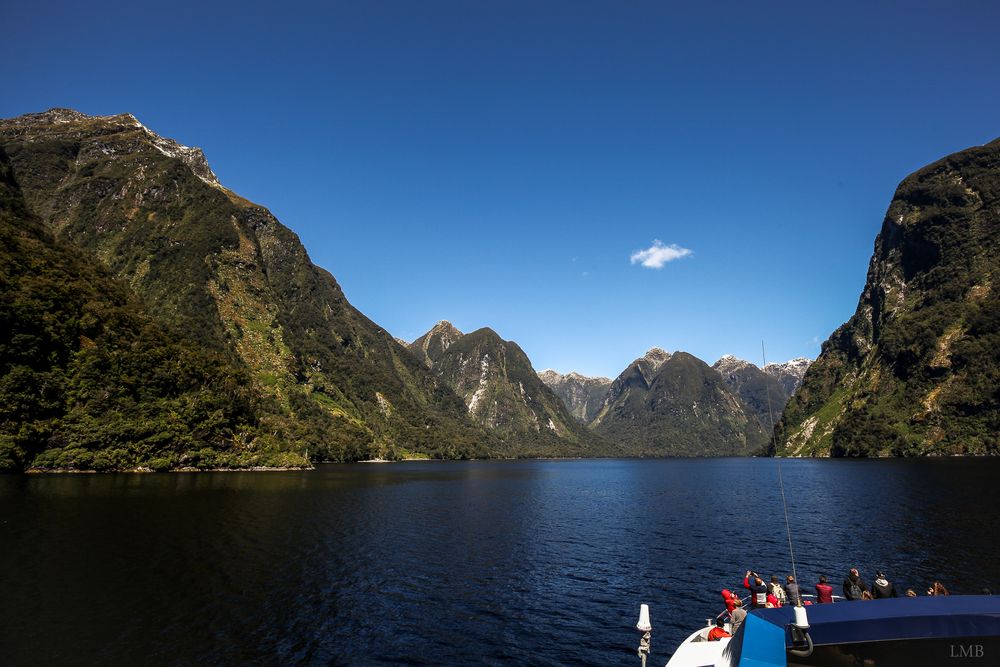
(666, 404)
(154, 319)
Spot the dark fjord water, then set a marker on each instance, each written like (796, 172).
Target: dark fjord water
(528, 562)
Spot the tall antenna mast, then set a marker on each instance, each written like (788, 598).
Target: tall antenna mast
(781, 485)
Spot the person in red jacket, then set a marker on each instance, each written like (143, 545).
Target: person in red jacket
(719, 631)
(730, 599)
(758, 591)
(824, 591)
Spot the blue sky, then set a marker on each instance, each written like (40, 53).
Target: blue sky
(500, 163)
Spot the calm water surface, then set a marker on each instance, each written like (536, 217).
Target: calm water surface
(528, 562)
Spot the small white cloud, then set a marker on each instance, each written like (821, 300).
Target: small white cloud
(656, 255)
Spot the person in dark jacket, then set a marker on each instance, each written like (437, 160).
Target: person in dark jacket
(792, 591)
(758, 591)
(882, 587)
(854, 587)
(824, 591)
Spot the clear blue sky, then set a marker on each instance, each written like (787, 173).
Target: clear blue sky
(499, 163)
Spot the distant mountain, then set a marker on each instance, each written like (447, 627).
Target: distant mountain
(503, 393)
(789, 373)
(677, 405)
(638, 375)
(915, 371)
(763, 392)
(583, 396)
(223, 270)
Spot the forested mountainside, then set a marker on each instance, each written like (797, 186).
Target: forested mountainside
(89, 380)
(504, 394)
(677, 405)
(203, 261)
(916, 370)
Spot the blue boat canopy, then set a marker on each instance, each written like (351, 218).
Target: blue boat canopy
(763, 639)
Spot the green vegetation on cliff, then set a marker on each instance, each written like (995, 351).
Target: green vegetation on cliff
(916, 370)
(237, 283)
(88, 380)
(680, 406)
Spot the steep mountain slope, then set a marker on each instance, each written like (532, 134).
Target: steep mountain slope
(633, 381)
(88, 380)
(582, 395)
(504, 394)
(226, 271)
(681, 407)
(916, 370)
(762, 393)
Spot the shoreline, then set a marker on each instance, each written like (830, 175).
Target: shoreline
(147, 470)
(143, 470)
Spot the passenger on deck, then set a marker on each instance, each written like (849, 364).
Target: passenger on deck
(910, 593)
(758, 591)
(737, 616)
(824, 591)
(792, 590)
(882, 587)
(730, 599)
(775, 589)
(854, 587)
(719, 631)
(937, 589)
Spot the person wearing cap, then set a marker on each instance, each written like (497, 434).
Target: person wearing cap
(883, 588)
(719, 631)
(854, 587)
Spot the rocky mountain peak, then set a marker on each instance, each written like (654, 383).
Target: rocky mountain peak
(728, 363)
(53, 115)
(433, 344)
(656, 356)
(797, 367)
(550, 377)
(117, 131)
